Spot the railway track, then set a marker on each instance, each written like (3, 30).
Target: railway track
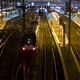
(3, 42)
(52, 59)
(49, 72)
(9, 53)
(9, 50)
(76, 46)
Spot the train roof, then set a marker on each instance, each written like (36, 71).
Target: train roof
(32, 28)
(29, 32)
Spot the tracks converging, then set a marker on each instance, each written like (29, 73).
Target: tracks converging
(9, 49)
(8, 54)
(50, 69)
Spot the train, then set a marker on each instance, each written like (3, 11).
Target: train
(29, 39)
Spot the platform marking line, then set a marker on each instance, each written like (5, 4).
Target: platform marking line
(61, 57)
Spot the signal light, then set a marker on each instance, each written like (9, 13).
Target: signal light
(23, 48)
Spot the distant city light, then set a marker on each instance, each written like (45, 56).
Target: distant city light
(48, 3)
(18, 3)
(32, 3)
(4, 12)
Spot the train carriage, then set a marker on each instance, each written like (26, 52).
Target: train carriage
(29, 38)
(29, 43)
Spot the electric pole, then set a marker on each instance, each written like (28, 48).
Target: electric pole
(23, 17)
(69, 24)
(1, 10)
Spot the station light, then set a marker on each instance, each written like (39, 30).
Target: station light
(0, 14)
(48, 3)
(4, 12)
(32, 3)
(18, 3)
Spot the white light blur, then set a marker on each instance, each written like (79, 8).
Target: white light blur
(18, 3)
(48, 3)
(32, 3)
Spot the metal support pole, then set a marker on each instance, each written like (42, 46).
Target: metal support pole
(69, 25)
(1, 10)
(23, 17)
(36, 3)
(63, 35)
(16, 1)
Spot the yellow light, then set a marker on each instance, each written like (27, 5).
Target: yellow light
(4, 12)
(0, 14)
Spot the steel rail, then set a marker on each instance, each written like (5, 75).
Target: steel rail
(54, 63)
(1, 45)
(4, 45)
(54, 60)
(14, 53)
(44, 46)
(3, 37)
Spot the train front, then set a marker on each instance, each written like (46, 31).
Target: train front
(29, 43)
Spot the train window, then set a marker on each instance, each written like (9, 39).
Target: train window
(28, 41)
